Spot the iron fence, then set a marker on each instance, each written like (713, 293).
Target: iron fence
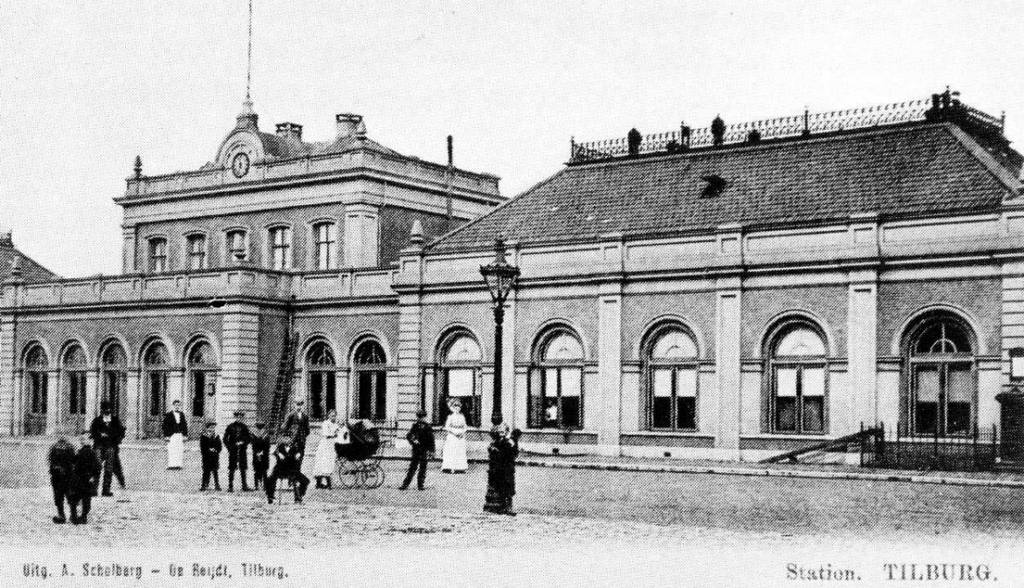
(976, 451)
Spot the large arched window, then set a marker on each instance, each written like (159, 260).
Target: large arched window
(75, 366)
(671, 376)
(459, 371)
(113, 378)
(798, 372)
(37, 365)
(942, 389)
(156, 366)
(557, 390)
(370, 381)
(320, 379)
(201, 379)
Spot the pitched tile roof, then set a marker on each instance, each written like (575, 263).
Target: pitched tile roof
(30, 270)
(908, 170)
(286, 147)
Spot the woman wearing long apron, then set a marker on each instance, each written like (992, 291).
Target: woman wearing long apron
(325, 455)
(175, 430)
(453, 457)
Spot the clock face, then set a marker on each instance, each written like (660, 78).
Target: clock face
(240, 165)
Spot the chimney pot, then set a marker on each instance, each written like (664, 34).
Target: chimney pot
(290, 130)
(6, 240)
(348, 124)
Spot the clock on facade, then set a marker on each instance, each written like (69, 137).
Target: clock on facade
(240, 165)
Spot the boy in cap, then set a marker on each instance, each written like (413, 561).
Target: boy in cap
(421, 439)
(260, 455)
(85, 479)
(210, 448)
(296, 426)
(236, 439)
(62, 463)
(107, 433)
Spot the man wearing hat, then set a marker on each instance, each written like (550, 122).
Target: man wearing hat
(421, 439)
(260, 455)
(175, 431)
(296, 426)
(236, 439)
(107, 433)
(210, 448)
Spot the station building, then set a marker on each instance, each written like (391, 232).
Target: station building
(724, 293)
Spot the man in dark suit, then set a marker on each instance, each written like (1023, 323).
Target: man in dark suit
(107, 433)
(421, 439)
(175, 432)
(296, 427)
(210, 447)
(236, 439)
(289, 467)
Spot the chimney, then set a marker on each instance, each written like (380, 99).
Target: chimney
(290, 130)
(348, 124)
(5, 238)
(718, 131)
(633, 141)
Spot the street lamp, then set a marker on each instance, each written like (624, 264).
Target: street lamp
(501, 277)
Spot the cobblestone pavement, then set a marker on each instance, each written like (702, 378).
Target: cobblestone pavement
(165, 508)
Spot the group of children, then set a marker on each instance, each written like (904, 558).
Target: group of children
(237, 438)
(74, 476)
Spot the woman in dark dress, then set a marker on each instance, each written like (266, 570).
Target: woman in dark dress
(501, 470)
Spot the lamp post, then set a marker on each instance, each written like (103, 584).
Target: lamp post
(500, 277)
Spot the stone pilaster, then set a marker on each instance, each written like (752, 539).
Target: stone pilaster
(129, 250)
(728, 336)
(52, 401)
(238, 380)
(609, 368)
(175, 387)
(361, 235)
(862, 352)
(8, 391)
(92, 395)
(131, 408)
(410, 323)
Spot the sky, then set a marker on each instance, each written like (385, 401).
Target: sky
(87, 86)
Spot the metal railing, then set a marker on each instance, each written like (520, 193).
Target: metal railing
(976, 451)
(944, 106)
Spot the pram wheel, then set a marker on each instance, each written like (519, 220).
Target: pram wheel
(373, 476)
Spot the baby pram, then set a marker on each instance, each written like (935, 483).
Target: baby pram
(358, 460)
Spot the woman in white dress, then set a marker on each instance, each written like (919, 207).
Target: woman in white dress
(453, 457)
(323, 466)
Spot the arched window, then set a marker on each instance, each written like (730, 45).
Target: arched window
(557, 385)
(459, 372)
(671, 376)
(798, 371)
(320, 378)
(114, 376)
(370, 381)
(202, 383)
(155, 365)
(942, 388)
(75, 366)
(36, 380)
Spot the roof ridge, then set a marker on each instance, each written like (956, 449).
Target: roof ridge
(996, 169)
(501, 206)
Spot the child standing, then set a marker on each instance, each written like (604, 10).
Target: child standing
(62, 461)
(85, 480)
(210, 447)
(260, 455)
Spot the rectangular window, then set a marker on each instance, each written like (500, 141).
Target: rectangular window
(325, 236)
(198, 393)
(686, 399)
(812, 389)
(196, 252)
(316, 382)
(281, 248)
(157, 393)
(157, 255)
(460, 383)
(926, 406)
(571, 385)
(237, 250)
(76, 393)
(38, 383)
(661, 418)
(785, 401)
(959, 398)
